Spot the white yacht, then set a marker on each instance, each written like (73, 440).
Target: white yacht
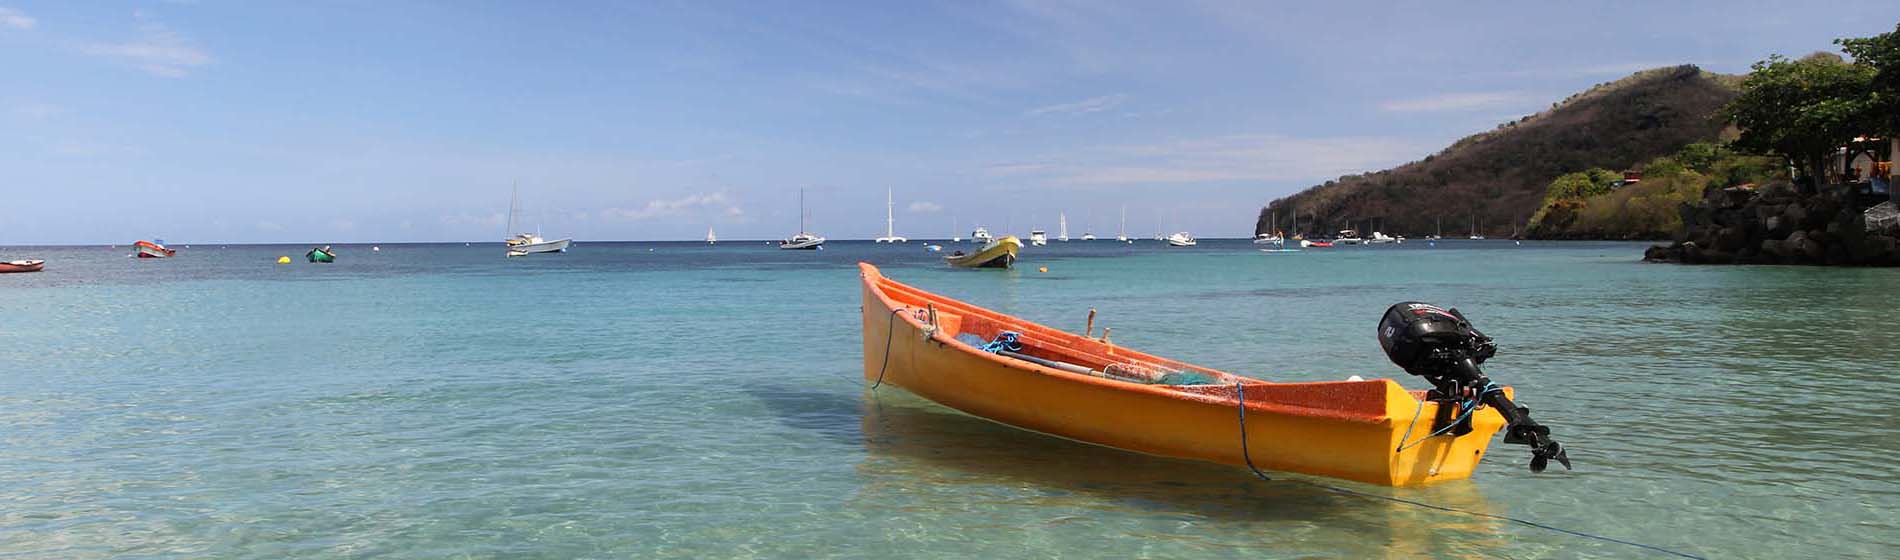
(890, 235)
(710, 238)
(980, 235)
(1380, 238)
(1181, 239)
(523, 244)
(804, 240)
(1038, 237)
(1348, 237)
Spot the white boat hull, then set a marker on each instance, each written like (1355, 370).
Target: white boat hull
(555, 246)
(802, 244)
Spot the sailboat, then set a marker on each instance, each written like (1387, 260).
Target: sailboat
(955, 230)
(1272, 236)
(1121, 232)
(1062, 232)
(804, 240)
(1474, 228)
(1273, 239)
(1440, 234)
(710, 238)
(523, 244)
(1088, 227)
(890, 235)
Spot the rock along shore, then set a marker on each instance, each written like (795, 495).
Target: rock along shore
(1775, 224)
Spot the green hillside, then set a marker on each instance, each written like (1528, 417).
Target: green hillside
(1498, 178)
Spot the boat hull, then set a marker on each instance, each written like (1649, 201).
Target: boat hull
(802, 245)
(1344, 429)
(149, 250)
(21, 266)
(1000, 254)
(555, 246)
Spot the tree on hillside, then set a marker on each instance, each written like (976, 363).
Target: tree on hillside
(1881, 55)
(1802, 109)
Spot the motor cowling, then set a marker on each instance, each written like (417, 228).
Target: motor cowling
(1427, 340)
(1441, 346)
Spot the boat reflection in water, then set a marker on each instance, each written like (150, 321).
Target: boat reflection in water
(923, 458)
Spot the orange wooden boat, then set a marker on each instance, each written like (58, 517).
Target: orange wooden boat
(1090, 390)
(22, 266)
(152, 250)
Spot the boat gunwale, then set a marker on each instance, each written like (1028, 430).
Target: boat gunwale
(1223, 397)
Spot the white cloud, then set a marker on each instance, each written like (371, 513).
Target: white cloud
(157, 50)
(16, 19)
(925, 207)
(1090, 105)
(1469, 101)
(1243, 157)
(717, 201)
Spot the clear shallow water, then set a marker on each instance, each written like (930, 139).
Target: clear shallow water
(679, 400)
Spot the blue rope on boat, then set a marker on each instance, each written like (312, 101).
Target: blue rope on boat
(1005, 340)
(1240, 395)
(1468, 407)
(891, 324)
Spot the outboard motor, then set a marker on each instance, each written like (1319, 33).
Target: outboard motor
(1440, 346)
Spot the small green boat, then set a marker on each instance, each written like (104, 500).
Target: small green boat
(320, 255)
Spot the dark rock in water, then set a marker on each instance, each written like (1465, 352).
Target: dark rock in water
(1776, 223)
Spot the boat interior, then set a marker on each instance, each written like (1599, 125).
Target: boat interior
(1095, 355)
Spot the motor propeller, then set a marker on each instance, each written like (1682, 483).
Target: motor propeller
(1441, 346)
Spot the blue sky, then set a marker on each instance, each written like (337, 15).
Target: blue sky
(214, 121)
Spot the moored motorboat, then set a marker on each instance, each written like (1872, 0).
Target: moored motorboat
(1000, 253)
(1320, 243)
(1038, 378)
(152, 250)
(1181, 239)
(22, 266)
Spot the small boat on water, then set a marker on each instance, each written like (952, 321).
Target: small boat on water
(1381, 238)
(523, 244)
(1038, 237)
(1041, 379)
(1321, 243)
(1348, 237)
(320, 255)
(710, 238)
(1182, 239)
(152, 249)
(890, 221)
(1000, 253)
(22, 266)
(981, 235)
(804, 240)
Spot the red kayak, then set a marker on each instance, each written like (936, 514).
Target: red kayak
(21, 266)
(150, 250)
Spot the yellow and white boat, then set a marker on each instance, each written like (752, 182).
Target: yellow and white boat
(1000, 253)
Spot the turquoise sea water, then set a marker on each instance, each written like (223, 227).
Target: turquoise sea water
(641, 400)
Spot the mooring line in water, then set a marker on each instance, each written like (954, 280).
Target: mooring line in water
(1241, 396)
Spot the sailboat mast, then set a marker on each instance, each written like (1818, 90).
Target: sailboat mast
(801, 210)
(890, 227)
(514, 202)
